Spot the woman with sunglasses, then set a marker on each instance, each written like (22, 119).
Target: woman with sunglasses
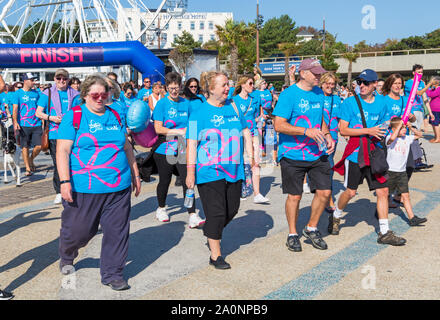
(98, 170)
(62, 99)
(75, 83)
(170, 122)
(191, 91)
(250, 107)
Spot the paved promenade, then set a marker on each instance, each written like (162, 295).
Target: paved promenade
(170, 261)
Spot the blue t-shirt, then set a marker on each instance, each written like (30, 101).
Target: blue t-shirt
(3, 104)
(98, 163)
(121, 109)
(144, 93)
(418, 100)
(27, 105)
(231, 92)
(218, 131)
(375, 114)
(43, 102)
(194, 104)
(334, 121)
(174, 115)
(250, 109)
(395, 108)
(303, 109)
(128, 101)
(265, 99)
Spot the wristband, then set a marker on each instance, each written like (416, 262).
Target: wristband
(326, 133)
(305, 130)
(48, 116)
(190, 165)
(64, 181)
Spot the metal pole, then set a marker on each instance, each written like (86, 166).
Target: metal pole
(158, 32)
(258, 35)
(323, 43)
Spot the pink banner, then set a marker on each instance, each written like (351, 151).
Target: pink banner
(412, 96)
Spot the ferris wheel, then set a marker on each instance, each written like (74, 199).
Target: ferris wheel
(69, 21)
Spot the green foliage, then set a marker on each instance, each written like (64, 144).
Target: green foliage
(328, 61)
(275, 31)
(186, 40)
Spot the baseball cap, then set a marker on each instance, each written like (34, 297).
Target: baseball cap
(313, 65)
(368, 75)
(62, 72)
(28, 76)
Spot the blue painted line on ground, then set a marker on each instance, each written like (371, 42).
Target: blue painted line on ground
(332, 270)
(12, 213)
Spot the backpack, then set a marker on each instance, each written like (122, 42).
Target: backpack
(77, 113)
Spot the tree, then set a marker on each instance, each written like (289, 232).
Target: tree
(236, 37)
(186, 40)
(275, 31)
(351, 57)
(328, 61)
(182, 54)
(288, 49)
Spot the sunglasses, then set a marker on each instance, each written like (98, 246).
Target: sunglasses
(61, 79)
(193, 87)
(95, 96)
(147, 81)
(365, 82)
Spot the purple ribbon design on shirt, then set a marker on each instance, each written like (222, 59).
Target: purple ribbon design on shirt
(218, 157)
(90, 166)
(168, 143)
(25, 118)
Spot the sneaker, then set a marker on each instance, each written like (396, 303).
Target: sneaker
(195, 221)
(243, 199)
(4, 295)
(293, 243)
(306, 188)
(162, 215)
(58, 199)
(333, 225)
(118, 285)
(66, 269)
(259, 198)
(390, 238)
(220, 263)
(415, 221)
(315, 238)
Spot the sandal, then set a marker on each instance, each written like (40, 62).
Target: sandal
(33, 168)
(28, 173)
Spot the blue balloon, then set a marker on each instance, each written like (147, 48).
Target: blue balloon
(138, 116)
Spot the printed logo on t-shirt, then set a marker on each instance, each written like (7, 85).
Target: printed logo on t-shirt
(172, 113)
(217, 120)
(396, 108)
(94, 126)
(304, 105)
(316, 106)
(25, 98)
(365, 114)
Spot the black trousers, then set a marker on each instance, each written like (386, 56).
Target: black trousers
(165, 169)
(53, 154)
(221, 201)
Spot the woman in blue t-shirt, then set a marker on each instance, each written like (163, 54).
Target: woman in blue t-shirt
(98, 170)
(170, 122)
(129, 95)
(250, 107)
(215, 159)
(192, 93)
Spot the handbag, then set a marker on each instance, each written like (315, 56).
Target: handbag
(378, 157)
(45, 134)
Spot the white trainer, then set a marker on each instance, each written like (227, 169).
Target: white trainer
(259, 198)
(162, 215)
(306, 188)
(58, 199)
(195, 221)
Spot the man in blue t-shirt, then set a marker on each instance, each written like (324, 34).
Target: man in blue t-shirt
(298, 119)
(351, 124)
(145, 92)
(26, 123)
(62, 99)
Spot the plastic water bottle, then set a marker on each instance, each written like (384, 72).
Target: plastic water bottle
(385, 125)
(322, 145)
(189, 198)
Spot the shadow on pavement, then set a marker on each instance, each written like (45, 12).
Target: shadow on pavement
(23, 220)
(41, 257)
(243, 230)
(266, 183)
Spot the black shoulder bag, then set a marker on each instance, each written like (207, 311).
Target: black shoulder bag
(378, 158)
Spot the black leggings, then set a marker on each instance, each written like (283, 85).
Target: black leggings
(221, 201)
(165, 173)
(53, 154)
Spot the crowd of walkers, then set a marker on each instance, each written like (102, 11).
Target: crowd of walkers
(216, 134)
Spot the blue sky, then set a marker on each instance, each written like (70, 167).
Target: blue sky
(394, 18)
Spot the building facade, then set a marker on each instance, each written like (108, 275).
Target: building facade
(201, 25)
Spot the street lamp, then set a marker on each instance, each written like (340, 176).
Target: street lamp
(258, 34)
